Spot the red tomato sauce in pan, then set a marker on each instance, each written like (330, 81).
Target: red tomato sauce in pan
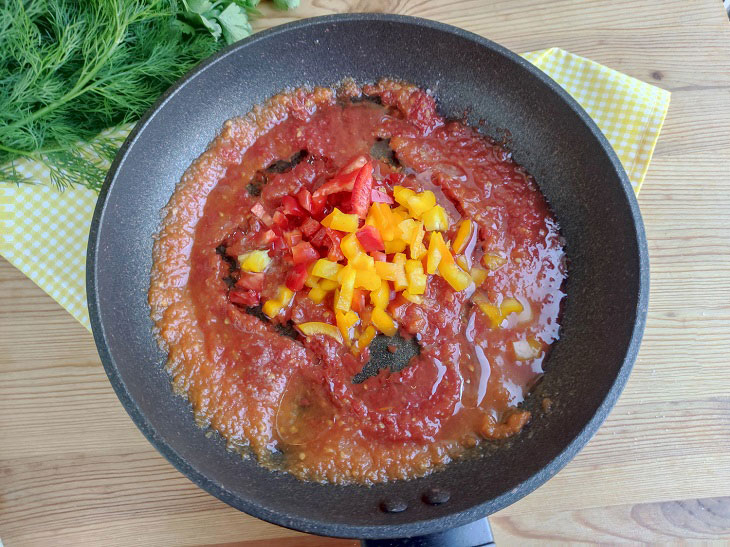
(289, 399)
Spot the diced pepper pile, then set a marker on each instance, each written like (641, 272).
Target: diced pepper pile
(363, 246)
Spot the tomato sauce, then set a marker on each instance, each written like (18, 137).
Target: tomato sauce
(290, 400)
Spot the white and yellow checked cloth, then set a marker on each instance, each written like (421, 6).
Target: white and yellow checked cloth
(44, 232)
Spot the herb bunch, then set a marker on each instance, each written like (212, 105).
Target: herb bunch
(70, 69)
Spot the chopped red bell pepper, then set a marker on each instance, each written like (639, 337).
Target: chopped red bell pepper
(379, 256)
(292, 237)
(362, 191)
(380, 196)
(330, 240)
(296, 277)
(260, 213)
(310, 227)
(344, 180)
(394, 179)
(291, 208)
(244, 298)
(304, 197)
(304, 253)
(253, 281)
(277, 246)
(370, 239)
(267, 238)
(280, 220)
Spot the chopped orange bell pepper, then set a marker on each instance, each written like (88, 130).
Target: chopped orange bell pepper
(315, 327)
(337, 220)
(415, 298)
(366, 337)
(383, 322)
(381, 297)
(350, 246)
(347, 287)
(434, 252)
(463, 235)
(454, 276)
(395, 246)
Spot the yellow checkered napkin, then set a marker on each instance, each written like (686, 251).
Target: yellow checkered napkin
(44, 232)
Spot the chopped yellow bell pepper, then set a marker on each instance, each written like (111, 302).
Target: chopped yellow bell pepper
(478, 275)
(312, 281)
(395, 246)
(406, 228)
(328, 285)
(386, 270)
(463, 235)
(350, 246)
(363, 261)
(326, 268)
(383, 322)
(367, 279)
(435, 219)
(510, 305)
(434, 252)
(401, 281)
(492, 312)
(254, 261)
(416, 278)
(415, 298)
(420, 203)
(344, 322)
(463, 262)
(315, 327)
(381, 297)
(493, 261)
(273, 306)
(401, 195)
(454, 276)
(366, 337)
(418, 249)
(347, 288)
(337, 220)
(317, 294)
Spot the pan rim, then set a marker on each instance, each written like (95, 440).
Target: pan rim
(338, 529)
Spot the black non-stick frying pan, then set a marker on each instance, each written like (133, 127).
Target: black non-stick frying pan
(608, 283)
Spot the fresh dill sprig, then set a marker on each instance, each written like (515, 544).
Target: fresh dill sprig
(70, 69)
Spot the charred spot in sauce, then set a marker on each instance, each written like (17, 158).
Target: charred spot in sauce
(284, 329)
(284, 166)
(391, 352)
(382, 151)
(363, 98)
(258, 181)
(232, 263)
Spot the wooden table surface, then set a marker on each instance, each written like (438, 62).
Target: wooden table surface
(75, 470)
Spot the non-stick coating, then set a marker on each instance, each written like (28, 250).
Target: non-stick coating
(550, 135)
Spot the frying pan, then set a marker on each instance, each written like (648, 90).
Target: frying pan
(604, 312)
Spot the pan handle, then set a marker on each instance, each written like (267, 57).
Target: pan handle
(474, 534)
